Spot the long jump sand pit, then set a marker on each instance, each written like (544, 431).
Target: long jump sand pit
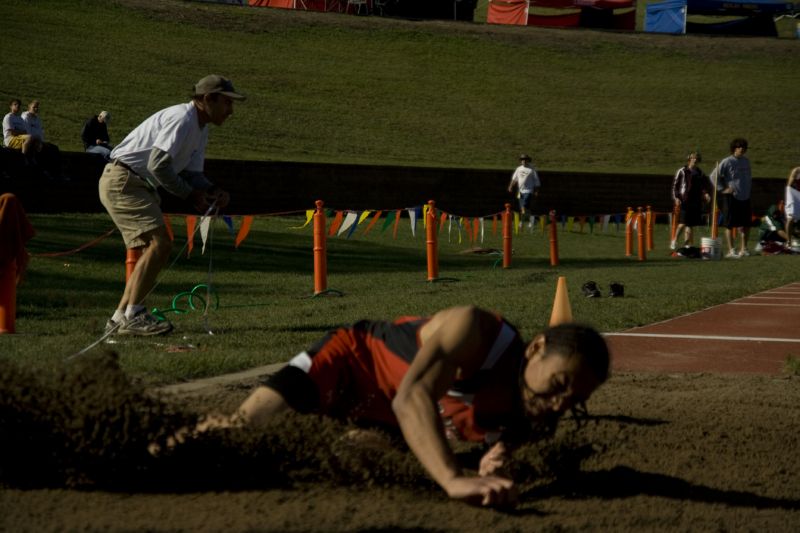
(661, 452)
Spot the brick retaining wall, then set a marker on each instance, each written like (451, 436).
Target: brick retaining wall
(270, 187)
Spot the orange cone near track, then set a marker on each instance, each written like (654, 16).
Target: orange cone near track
(562, 312)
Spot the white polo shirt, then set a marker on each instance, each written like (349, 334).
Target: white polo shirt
(175, 130)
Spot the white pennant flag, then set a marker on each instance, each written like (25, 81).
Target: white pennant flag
(349, 219)
(449, 226)
(412, 214)
(205, 223)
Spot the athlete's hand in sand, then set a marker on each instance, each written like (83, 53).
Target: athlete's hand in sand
(495, 462)
(487, 491)
(208, 423)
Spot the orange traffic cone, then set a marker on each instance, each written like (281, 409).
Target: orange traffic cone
(562, 312)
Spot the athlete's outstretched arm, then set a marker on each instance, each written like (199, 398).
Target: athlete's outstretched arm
(452, 341)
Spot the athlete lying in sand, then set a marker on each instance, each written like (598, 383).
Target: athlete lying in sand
(463, 373)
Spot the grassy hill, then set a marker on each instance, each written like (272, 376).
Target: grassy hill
(339, 88)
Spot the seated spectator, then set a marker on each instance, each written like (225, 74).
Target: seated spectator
(50, 154)
(16, 136)
(95, 135)
(771, 232)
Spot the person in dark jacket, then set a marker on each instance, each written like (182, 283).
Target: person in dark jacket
(690, 188)
(95, 135)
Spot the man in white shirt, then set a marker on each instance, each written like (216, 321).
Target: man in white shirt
(167, 150)
(526, 179)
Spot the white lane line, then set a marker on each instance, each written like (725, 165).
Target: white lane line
(771, 297)
(701, 337)
(765, 305)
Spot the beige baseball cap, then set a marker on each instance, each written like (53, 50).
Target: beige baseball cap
(214, 83)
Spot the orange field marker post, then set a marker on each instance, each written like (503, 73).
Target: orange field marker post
(640, 233)
(714, 210)
(676, 215)
(629, 232)
(651, 222)
(321, 255)
(8, 297)
(553, 239)
(431, 243)
(131, 258)
(508, 220)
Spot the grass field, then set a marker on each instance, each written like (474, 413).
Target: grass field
(337, 88)
(327, 87)
(266, 314)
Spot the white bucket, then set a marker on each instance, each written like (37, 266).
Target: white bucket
(710, 249)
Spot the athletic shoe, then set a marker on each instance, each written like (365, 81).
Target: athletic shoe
(732, 255)
(112, 327)
(744, 253)
(616, 290)
(144, 325)
(590, 290)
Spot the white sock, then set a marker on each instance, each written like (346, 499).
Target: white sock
(133, 310)
(118, 316)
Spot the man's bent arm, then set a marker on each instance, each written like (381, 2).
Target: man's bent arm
(450, 341)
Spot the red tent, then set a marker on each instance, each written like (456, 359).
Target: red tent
(612, 14)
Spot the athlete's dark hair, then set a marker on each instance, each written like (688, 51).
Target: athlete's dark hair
(738, 143)
(578, 340)
(566, 340)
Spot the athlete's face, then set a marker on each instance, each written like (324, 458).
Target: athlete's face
(552, 384)
(218, 107)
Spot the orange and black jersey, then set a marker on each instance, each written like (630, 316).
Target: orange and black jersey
(353, 373)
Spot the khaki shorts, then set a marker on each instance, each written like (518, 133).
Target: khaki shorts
(16, 142)
(131, 202)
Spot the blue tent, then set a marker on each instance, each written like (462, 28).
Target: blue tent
(670, 16)
(666, 17)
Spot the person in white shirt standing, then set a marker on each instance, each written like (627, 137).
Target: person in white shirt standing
(167, 150)
(526, 179)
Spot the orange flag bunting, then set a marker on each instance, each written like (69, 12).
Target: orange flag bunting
(372, 222)
(247, 222)
(337, 221)
(168, 226)
(191, 223)
(396, 223)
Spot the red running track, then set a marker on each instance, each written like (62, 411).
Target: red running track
(751, 335)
